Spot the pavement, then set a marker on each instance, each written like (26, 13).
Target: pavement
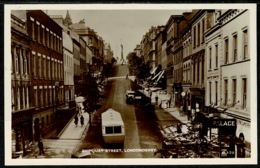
(72, 131)
(69, 141)
(167, 115)
(163, 99)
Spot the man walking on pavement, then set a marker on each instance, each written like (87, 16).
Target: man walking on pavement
(40, 145)
(76, 120)
(82, 120)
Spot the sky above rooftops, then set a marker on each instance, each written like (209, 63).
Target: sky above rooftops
(117, 27)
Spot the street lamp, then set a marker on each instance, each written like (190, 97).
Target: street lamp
(197, 110)
(183, 94)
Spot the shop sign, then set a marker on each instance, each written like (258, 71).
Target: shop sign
(20, 119)
(224, 123)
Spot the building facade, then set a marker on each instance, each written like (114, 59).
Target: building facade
(235, 74)
(213, 39)
(47, 70)
(108, 53)
(137, 50)
(76, 60)
(68, 67)
(69, 88)
(199, 24)
(171, 35)
(21, 88)
(205, 54)
(177, 52)
(92, 40)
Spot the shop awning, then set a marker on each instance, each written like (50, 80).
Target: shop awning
(160, 76)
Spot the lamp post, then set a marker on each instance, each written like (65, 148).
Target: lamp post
(197, 111)
(183, 94)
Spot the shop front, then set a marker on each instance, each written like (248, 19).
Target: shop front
(186, 103)
(197, 98)
(243, 136)
(220, 133)
(177, 88)
(22, 134)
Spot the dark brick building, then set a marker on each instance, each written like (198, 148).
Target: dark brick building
(46, 65)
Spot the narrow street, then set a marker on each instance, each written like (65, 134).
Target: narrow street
(141, 127)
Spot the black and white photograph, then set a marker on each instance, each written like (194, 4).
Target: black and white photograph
(130, 84)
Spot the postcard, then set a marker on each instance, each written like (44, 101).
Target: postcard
(130, 84)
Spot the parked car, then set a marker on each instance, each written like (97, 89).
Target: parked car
(130, 96)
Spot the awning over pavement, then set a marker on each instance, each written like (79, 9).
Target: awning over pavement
(156, 76)
(160, 76)
(154, 89)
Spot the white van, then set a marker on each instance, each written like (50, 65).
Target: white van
(113, 129)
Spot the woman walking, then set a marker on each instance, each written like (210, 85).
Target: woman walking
(82, 120)
(76, 120)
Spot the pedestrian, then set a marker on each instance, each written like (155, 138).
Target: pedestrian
(168, 104)
(179, 128)
(82, 120)
(181, 111)
(76, 120)
(40, 145)
(189, 115)
(156, 99)
(200, 127)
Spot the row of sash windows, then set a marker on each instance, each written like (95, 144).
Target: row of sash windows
(43, 35)
(47, 68)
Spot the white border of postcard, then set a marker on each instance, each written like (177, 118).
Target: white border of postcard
(7, 84)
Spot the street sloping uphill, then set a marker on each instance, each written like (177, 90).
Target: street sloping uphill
(142, 134)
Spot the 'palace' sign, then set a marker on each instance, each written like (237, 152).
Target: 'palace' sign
(224, 123)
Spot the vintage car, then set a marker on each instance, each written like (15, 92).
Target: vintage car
(130, 96)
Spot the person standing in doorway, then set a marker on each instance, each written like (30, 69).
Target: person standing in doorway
(40, 145)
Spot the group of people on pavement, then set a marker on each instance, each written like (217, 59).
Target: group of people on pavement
(76, 119)
(79, 116)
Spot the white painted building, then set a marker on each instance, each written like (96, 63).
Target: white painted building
(235, 71)
(212, 60)
(68, 66)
